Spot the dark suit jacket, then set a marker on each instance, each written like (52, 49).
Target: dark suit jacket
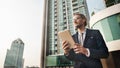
(97, 47)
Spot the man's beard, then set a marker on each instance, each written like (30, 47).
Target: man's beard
(78, 26)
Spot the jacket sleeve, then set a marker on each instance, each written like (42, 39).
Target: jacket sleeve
(102, 50)
(71, 55)
(78, 57)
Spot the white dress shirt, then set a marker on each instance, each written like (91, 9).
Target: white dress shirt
(81, 38)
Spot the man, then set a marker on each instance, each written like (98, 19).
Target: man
(89, 45)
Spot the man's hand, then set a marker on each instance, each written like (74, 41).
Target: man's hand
(66, 47)
(80, 49)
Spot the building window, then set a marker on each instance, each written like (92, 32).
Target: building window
(74, 0)
(75, 4)
(109, 27)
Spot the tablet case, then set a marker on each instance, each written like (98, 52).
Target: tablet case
(66, 35)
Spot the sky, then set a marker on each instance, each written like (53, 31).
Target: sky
(21, 19)
(95, 5)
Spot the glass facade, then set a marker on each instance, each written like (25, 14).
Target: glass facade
(58, 61)
(111, 2)
(14, 56)
(110, 27)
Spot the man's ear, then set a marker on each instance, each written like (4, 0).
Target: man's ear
(83, 20)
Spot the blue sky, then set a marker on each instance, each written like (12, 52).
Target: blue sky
(21, 19)
(95, 5)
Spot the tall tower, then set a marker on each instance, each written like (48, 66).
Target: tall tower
(57, 17)
(14, 56)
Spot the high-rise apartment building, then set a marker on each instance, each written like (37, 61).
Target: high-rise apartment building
(57, 17)
(14, 56)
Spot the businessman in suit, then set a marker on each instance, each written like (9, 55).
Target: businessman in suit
(89, 45)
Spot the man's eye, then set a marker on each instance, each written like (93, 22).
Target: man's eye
(78, 18)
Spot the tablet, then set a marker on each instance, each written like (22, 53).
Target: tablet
(66, 35)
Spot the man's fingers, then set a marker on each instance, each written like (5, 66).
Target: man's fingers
(76, 50)
(66, 47)
(63, 42)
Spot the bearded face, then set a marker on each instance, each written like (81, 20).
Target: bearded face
(78, 21)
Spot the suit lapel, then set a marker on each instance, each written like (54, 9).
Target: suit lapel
(88, 33)
(76, 38)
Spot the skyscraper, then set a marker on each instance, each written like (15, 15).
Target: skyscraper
(57, 17)
(14, 56)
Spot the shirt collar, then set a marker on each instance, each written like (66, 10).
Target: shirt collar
(84, 32)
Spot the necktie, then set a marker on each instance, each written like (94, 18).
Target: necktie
(82, 38)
